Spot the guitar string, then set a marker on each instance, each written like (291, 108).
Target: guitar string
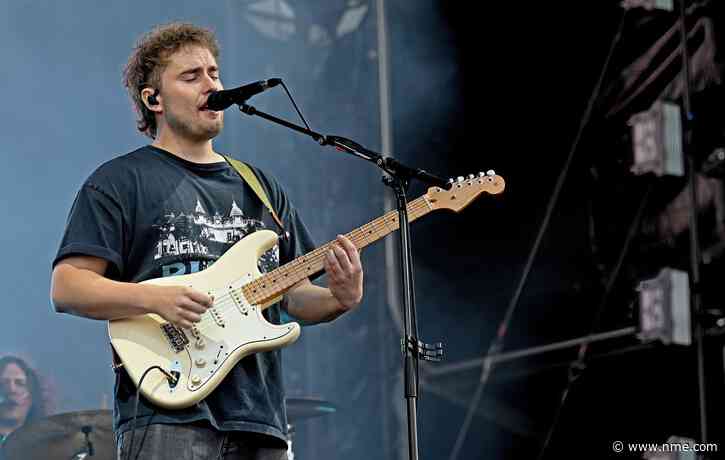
(299, 265)
(312, 259)
(303, 264)
(294, 267)
(309, 260)
(315, 255)
(281, 275)
(223, 306)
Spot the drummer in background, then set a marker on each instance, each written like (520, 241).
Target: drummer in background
(21, 395)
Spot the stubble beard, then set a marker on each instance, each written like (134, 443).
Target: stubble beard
(199, 132)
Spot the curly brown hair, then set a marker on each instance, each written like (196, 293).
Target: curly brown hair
(150, 57)
(40, 391)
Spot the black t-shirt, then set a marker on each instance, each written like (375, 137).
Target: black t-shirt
(151, 214)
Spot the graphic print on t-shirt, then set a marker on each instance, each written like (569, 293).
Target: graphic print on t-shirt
(199, 235)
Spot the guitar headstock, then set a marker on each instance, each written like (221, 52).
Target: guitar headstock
(464, 190)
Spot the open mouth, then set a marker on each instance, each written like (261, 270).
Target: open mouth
(204, 108)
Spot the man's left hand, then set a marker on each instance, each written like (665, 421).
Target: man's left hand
(345, 273)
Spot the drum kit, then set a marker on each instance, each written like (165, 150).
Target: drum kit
(89, 434)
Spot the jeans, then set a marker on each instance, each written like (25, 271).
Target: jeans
(198, 442)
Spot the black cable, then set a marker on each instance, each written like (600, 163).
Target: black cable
(135, 410)
(295, 106)
(414, 319)
(497, 343)
(578, 365)
(414, 324)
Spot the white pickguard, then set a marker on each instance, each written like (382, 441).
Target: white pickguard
(229, 331)
(220, 336)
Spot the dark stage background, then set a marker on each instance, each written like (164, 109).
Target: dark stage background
(523, 77)
(474, 86)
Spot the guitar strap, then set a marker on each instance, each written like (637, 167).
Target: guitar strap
(248, 176)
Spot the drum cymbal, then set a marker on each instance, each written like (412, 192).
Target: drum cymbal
(63, 436)
(304, 408)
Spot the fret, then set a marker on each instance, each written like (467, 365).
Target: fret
(357, 238)
(379, 231)
(365, 234)
(280, 280)
(391, 221)
(386, 224)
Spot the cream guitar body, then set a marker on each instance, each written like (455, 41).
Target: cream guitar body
(200, 358)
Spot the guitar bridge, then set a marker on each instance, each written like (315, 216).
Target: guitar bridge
(176, 337)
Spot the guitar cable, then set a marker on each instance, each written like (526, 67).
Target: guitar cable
(172, 380)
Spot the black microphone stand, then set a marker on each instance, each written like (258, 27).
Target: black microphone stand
(398, 178)
(695, 257)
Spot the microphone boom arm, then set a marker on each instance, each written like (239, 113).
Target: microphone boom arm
(387, 164)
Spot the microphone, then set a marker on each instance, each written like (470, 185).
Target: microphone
(220, 100)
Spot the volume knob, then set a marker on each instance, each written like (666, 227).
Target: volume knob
(200, 362)
(195, 380)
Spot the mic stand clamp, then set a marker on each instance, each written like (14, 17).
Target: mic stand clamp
(398, 178)
(425, 351)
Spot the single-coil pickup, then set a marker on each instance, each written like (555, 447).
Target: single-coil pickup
(241, 305)
(176, 337)
(199, 341)
(195, 331)
(218, 319)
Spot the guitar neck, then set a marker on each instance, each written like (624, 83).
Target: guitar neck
(275, 283)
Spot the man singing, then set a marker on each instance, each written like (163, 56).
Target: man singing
(174, 207)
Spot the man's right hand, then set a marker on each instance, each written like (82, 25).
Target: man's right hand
(180, 305)
(79, 287)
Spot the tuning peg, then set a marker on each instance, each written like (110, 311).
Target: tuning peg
(481, 174)
(460, 179)
(471, 176)
(490, 172)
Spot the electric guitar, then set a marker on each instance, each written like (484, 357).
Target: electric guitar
(199, 358)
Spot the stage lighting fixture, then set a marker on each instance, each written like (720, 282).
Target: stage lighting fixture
(657, 140)
(279, 20)
(664, 308)
(667, 5)
(352, 17)
(272, 18)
